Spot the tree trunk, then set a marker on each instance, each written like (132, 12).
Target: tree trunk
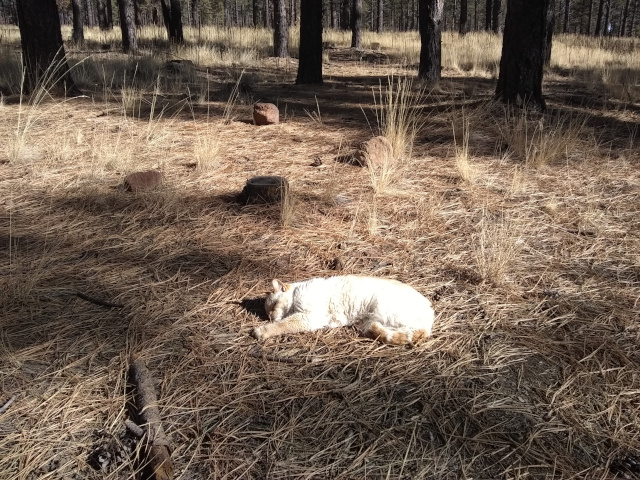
(464, 27)
(127, 26)
(523, 50)
(590, 18)
(345, 23)
(77, 34)
(551, 22)
(475, 15)
(310, 57)
(356, 24)
(267, 15)
(380, 23)
(136, 13)
(43, 57)
(487, 16)
(633, 17)
(332, 14)
(599, 19)
(254, 7)
(103, 18)
(605, 29)
(565, 26)
(625, 16)
(172, 15)
(495, 14)
(193, 8)
(430, 20)
(280, 30)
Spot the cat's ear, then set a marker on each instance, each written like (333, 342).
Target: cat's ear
(278, 286)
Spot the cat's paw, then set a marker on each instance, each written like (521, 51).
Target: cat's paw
(259, 333)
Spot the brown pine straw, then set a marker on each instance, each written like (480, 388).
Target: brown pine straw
(532, 371)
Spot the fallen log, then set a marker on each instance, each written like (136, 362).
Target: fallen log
(158, 455)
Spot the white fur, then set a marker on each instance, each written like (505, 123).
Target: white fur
(345, 300)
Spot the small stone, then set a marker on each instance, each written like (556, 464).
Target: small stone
(142, 181)
(317, 161)
(374, 152)
(266, 114)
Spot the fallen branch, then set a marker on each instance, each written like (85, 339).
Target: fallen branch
(159, 461)
(6, 406)
(97, 301)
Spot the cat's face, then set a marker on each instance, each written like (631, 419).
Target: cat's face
(277, 302)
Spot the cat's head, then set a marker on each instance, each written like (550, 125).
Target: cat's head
(278, 301)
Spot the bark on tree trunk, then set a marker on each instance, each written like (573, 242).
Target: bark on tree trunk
(43, 56)
(267, 15)
(590, 18)
(605, 28)
(345, 23)
(487, 17)
(430, 20)
(103, 19)
(495, 14)
(254, 7)
(136, 13)
(625, 16)
(280, 30)
(551, 22)
(565, 26)
(599, 19)
(310, 57)
(380, 23)
(633, 17)
(356, 24)
(172, 15)
(523, 50)
(464, 27)
(127, 26)
(77, 34)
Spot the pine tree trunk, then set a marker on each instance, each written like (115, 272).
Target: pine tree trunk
(565, 26)
(172, 15)
(380, 24)
(599, 19)
(495, 14)
(77, 34)
(464, 26)
(633, 17)
(487, 17)
(103, 20)
(523, 53)
(280, 30)
(310, 57)
(267, 15)
(625, 16)
(430, 39)
(551, 22)
(605, 28)
(356, 24)
(43, 56)
(345, 22)
(127, 26)
(590, 18)
(254, 7)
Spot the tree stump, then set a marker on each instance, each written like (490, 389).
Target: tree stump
(264, 189)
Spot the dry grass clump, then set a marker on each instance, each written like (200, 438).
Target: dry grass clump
(540, 140)
(532, 368)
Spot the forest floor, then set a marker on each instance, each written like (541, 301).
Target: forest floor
(526, 238)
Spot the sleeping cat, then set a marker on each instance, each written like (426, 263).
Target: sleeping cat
(388, 310)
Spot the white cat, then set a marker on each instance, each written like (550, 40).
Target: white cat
(388, 310)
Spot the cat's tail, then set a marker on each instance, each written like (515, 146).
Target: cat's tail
(394, 336)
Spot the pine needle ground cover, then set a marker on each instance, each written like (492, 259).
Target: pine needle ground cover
(528, 250)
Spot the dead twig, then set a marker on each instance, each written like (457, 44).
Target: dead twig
(97, 301)
(159, 453)
(6, 406)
